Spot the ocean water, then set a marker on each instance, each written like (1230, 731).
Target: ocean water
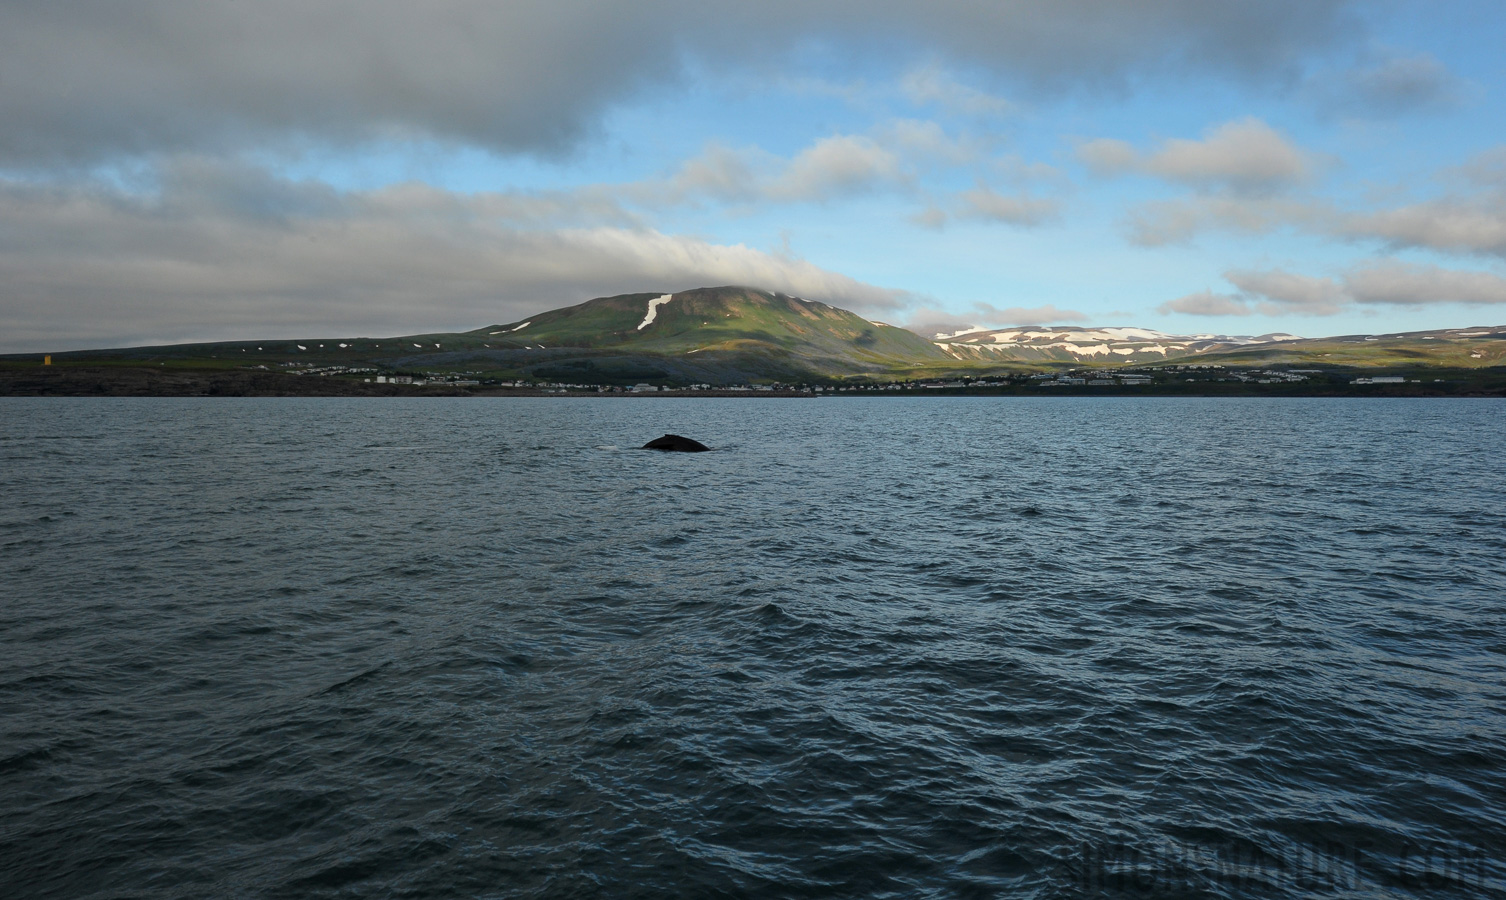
(868, 648)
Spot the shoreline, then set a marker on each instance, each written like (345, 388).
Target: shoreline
(146, 382)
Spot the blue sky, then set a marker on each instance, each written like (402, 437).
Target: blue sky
(179, 171)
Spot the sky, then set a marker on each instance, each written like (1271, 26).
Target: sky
(180, 170)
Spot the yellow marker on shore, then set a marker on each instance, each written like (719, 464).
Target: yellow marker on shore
(47, 360)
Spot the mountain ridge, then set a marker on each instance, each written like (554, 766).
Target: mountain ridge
(737, 335)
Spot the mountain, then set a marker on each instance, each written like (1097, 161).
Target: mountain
(718, 336)
(735, 328)
(743, 335)
(1038, 344)
(1457, 348)
(1467, 348)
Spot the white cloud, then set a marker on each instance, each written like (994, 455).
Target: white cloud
(1242, 157)
(933, 217)
(96, 266)
(1206, 303)
(718, 173)
(1246, 155)
(931, 84)
(1469, 221)
(1462, 225)
(1158, 223)
(923, 142)
(833, 166)
(982, 202)
(1284, 292)
(930, 321)
(1108, 156)
(893, 157)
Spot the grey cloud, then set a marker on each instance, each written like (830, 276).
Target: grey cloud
(1206, 303)
(88, 80)
(840, 165)
(1283, 292)
(1108, 156)
(1471, 221)
(1470, 217)
(933, 217)
(1472, 225)
(927, 142)
(1400, 284)
(986, 204)
(1484, 169)
(1271, 292)
(834, 166)
(1387, 282)
(719, 173)
(93, 265)
(1159, 223)
(1393, 86)
(931, 84)
(1028, 315)
(1475, 225)
(1245, 156)
(929, 321)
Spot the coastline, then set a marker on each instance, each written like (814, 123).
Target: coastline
(116, 381)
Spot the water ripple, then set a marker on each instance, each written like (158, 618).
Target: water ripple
(887, 648)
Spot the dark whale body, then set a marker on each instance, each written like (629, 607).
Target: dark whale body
(673, 442)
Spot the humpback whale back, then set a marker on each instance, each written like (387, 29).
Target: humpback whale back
(673, 442)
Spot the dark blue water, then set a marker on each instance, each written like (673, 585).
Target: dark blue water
(869, 648)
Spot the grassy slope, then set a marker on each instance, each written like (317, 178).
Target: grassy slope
(1397, 352)
(717, 335)
(732, 335)
(729, 325)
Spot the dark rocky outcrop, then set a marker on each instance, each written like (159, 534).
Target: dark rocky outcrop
(673, 442)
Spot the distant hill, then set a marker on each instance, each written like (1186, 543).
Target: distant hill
(736, 328)
(1035, 343)
(717, 336)
(740, 335)
(1475, 347)
(1459, 348)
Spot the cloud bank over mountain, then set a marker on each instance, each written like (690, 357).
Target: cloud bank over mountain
(232, 252)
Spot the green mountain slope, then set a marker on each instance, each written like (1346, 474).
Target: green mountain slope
(724, 323)
(741, 335)
(1457, 348)
(719, 336)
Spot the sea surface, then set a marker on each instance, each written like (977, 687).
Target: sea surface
(973, 647)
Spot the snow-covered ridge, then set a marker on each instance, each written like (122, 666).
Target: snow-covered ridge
(1089, 343)
(977, 335)
(653, 310)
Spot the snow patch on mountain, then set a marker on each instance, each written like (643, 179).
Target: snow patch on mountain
(653, 310)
